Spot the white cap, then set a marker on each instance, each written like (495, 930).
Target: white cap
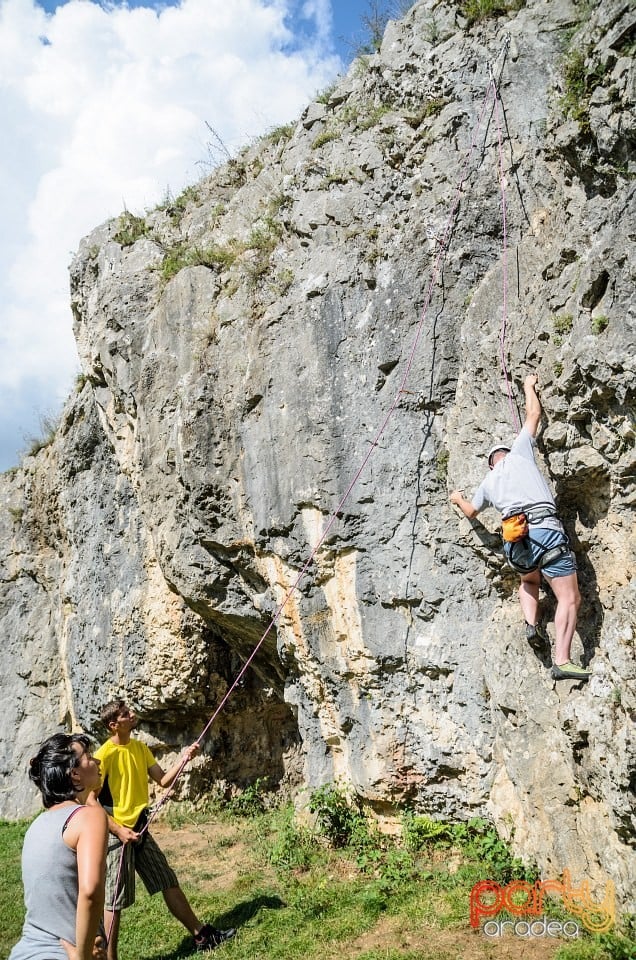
(493, 451)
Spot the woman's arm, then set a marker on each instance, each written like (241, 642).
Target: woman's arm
(88, 833)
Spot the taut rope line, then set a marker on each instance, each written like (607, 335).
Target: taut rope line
(441, 253)
(504, 254)
(491, 90)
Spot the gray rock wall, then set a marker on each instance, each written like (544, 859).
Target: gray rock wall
(241, 351)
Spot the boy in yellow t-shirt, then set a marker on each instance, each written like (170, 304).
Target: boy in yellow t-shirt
(126, 765)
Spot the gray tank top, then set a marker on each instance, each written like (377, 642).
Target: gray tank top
(49, 875)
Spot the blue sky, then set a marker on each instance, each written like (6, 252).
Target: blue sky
(346, 17)
(104, 106)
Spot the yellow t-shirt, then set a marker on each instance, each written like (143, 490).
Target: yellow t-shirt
(124, 770)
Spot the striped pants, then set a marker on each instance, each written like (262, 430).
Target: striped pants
(124, 860)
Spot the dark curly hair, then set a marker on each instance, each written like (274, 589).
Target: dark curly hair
(50, 769)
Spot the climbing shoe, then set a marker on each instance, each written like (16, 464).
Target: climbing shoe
(569, 671)
(209, 937)
(537, 638)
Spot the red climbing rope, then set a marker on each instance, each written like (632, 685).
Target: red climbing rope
(504, 258)
(441, 253)
(443, 243)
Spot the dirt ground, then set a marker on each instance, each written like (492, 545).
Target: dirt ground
(215, 856)
(466, 944)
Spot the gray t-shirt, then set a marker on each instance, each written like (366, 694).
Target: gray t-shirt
(516, 482)
(49, 875)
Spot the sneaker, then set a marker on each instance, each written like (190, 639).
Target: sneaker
(209, 937)
(537, 638)
(569, 671)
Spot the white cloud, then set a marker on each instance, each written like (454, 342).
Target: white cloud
(320, 12)
(103, 107)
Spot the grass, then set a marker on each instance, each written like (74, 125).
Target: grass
(12, 913)
(430, 108)
(324, 96)
(579, 82)
(180, 256)
(610, 947)
(262, 241)
(441, 465)
(333, 891)
(129, 229)
(599, 324)
(281, 134)
(563, 324)
(325, 137)
(49, 424)
(477, 10)
(176, 207)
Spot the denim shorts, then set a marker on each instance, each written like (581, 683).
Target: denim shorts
(528, 553)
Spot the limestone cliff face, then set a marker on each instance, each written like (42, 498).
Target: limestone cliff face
(242, 347)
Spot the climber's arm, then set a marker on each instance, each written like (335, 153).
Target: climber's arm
(464, 505)
(533, 406)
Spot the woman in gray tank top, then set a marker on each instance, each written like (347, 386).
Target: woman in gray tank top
(64, 856)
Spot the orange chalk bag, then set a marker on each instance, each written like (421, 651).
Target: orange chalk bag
(515, 527)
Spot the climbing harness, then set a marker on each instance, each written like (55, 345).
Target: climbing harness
(518, 541)
(515, 526)
(547, 556)
(537, 512)
(442, 248)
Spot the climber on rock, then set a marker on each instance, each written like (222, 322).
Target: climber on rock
(535, 542)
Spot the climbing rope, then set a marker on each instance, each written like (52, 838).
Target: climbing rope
(491, 92)
(443, 244)
(504, 254)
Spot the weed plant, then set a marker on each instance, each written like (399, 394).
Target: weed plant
(325, 137)
(563, 324)
(374, 22)
(599, 324)
(280, 134)
(477, 10)
(49, 424)
(181, 256)
(476, 839)
(609, 946)
(175, 207)
(249, 802)
(324, 96)
(441, 465)
(338, 816)
(129, 229)
(579, 82)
